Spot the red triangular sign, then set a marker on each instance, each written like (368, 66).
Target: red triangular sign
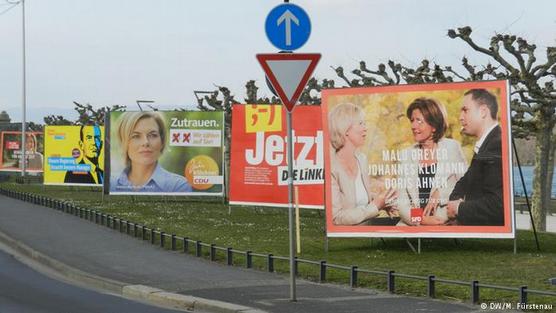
(289, 73)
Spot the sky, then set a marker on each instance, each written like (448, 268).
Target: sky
(108, 52)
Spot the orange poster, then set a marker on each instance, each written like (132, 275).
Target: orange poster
(258, 173)
(429, 160)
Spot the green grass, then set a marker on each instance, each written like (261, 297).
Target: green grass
(265, 230)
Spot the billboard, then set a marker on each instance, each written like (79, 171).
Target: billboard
(166, 153)
(429, 160)
(259, 172)
(74, 155)
(10, 151)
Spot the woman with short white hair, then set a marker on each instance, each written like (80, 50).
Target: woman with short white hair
(352, 200)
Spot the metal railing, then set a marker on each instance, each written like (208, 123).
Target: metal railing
(189, 246)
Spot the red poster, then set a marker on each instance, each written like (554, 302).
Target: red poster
(258, 156)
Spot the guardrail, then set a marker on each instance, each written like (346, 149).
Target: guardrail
(189, 246)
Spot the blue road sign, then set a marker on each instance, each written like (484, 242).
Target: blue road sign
(288, 27)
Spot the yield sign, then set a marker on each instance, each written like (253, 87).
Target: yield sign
(289, 73)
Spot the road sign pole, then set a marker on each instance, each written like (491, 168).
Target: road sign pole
(289, 73)
(290, 206)
(24, 96)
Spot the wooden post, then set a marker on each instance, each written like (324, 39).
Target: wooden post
(297, 221)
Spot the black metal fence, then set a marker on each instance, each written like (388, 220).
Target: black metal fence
(196, 247)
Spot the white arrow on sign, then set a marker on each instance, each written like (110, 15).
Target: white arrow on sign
(288, 17)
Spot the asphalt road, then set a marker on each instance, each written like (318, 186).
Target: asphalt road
(104, 252)
(24, 290)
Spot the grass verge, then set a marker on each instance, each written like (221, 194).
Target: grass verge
(265, 230)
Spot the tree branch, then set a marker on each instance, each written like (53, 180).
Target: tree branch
(465, 34)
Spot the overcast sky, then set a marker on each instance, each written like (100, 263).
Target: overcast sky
(107, 52)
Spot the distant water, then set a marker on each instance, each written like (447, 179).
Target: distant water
(528, 177)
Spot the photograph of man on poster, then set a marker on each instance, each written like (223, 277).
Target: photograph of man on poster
(477, 196)
(90, 147)
(443, 149)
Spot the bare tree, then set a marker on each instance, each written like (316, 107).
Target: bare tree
(56, 120)
(91, 116)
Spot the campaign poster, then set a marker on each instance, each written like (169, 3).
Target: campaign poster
(167, 153)
(10, 151)
(429, 160)
(74, 155)
(259, 172)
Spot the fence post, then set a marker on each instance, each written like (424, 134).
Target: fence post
(143, 233)
(229, 256)
(475, 291)
(198, 248)
(322, 276)
(185, 245)
(523, 294)
(122, 225)
(248, 259)
(353, 277)
(128, 227)
(162, 235)
(431, 287)
(135, 230)
(212, 252)
(173, 242)
(152, 236)
(391, 282)
(270, 263)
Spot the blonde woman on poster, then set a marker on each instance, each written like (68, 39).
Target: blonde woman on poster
(142, 136)
(432, 165)
(352, 200)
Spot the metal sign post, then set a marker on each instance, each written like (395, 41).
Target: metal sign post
(24, 95)
(289, 73)
(290, 206)
(288, 27)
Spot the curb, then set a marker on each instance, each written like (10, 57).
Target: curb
(143, 293)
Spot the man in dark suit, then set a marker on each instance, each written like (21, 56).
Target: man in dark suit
(90, 146)
(477, 197)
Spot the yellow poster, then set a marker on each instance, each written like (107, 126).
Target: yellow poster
(74, 155)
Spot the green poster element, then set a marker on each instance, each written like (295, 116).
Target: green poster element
(185, 159)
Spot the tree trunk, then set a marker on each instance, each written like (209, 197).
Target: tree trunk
(540, 178)
(550, 174)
